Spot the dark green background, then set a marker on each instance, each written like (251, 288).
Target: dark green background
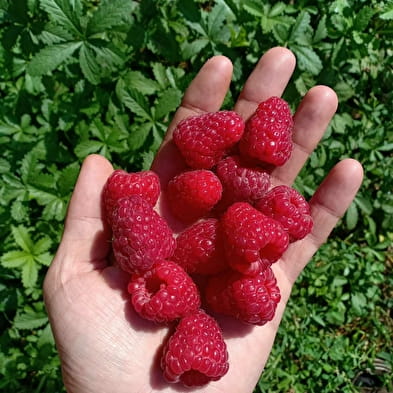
(80, 77)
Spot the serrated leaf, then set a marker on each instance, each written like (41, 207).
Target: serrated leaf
(138, 135)
(301, 29)
(67, 178)
(253, 7)
(141, 83)
(133, 100)
(109, 14)
(147, 159)
(321, 31)
(307, 59)
(55, 210)
(18, 211)
(4, 166)
(190, 49)
(15, 259)
(29, 274)
(388, 13)
(42, 245)
(363, 18)
(49, 58)
(159, 72)
(30, 320)
(54, 34)
(44, 259)
(168, 102)
(64, 12)
(22, 238)
(89, 65)
(216, 20)
(83, 149)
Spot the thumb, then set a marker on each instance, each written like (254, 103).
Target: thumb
(86, 239)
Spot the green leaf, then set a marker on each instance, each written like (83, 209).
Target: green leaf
(254, 7)
(307, 59)
(42, 245)
(363, 18)
(83, 149)
(22, 238)
(216, 20)
(29, 274)
(133, 100)
(359, 303)
(109, 14)
(138, 135)
(49, 58)
(321, 32)
(168, 102)
(301, 28)
(136, 80)
(4, 166)
(190, 49)
(19, 211)
(15, 259)
(65, 13)
(352, 216)
(54, 34)
(30, 320)
(388, 12)
(148, 158)
(67, 178)
(44, 259)
(364, 204)
(89, 64)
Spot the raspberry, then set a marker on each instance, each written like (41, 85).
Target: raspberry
(203, 140)
(163, 293)
(252, 240)
(200, 248)
(288, 207)
(241, 182)
(250, 299)
(196, 353)
(192, 194)
(140, 236)
(121, 184)
(268, 134)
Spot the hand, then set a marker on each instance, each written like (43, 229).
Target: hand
(103, 345)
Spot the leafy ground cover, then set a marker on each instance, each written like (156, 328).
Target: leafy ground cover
(80, 77)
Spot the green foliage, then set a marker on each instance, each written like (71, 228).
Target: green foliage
(88, 76)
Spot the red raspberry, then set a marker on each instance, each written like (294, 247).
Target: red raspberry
(163, 293)
(140, 235)
(241, 183)
(252, 240)
(192, 194)
(288, 207)
(121, 184)
(200, 248)
(249, 299)
(203, 140)
(196, 353)
(268, 134)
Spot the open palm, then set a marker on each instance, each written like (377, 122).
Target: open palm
(103, 345)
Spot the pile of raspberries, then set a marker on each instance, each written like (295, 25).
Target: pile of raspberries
(236, 226)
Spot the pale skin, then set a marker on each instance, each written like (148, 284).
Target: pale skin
(103, 345)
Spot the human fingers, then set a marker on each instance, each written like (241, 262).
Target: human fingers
(268, 79)
(86, 238)
(328, 205)
(206, 93)
(310, 122)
